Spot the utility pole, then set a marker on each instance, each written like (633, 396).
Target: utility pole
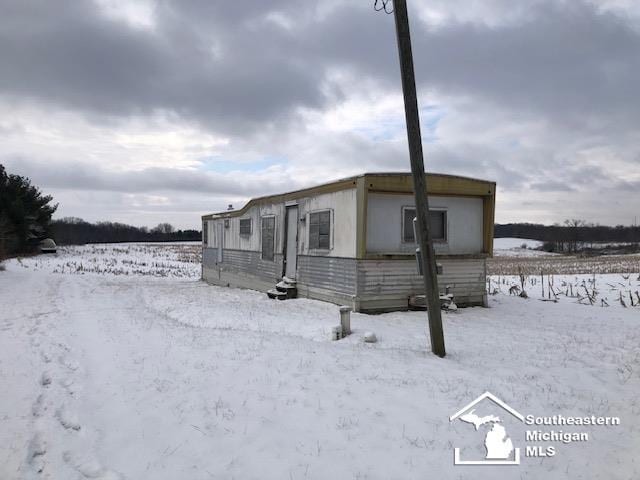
(419, 178)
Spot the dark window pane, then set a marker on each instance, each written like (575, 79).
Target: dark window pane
(409, 215)
(268, 233)
(245, 226)
(323, 241)
(324, 228)
(437, 224)
(325, 217)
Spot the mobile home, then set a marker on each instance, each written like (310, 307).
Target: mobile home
(351, 242)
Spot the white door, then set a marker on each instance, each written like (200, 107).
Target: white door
(291, 257)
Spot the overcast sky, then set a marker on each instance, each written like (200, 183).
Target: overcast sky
(150, 111)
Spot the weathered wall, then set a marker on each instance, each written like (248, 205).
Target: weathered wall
(342, 205)
(387, 284)
(241, 269)
(232, 238)
(384, 224)
(335, 274)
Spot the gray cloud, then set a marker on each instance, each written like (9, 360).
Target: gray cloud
(231, 69)
(247, 69)
(78, 176)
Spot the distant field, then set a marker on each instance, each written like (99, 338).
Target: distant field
(560, 264)
(518, 247)
(153, 259)
(510, 243)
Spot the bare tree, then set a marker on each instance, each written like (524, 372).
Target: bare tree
(574, 234)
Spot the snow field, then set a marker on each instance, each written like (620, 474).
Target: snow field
(603, 290)
(174, 260)
(131, 376)
(513, 247)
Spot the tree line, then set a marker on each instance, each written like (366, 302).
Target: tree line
(572, 236)
(25, 220)
(75, 231)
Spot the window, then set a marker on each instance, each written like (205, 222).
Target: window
(437, 224)
(205, 232)
(268, 235)
(245, 226)
(320, 230)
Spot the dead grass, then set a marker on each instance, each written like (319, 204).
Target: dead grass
(563, 265)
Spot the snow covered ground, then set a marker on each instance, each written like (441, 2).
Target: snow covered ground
(175, 259)
(155, 375)
(518, 247)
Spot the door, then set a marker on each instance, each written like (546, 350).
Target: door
(291, 248)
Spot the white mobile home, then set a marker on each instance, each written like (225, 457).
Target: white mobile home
(351, 242)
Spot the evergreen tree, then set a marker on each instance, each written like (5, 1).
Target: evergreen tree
(25, 213)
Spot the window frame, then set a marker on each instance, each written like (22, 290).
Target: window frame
(329, 234)
(273, 249)
(445, 228)
(245, 234)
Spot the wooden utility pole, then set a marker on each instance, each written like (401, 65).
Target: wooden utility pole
(419, 177)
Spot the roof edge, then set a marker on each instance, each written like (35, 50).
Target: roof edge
(335, 185)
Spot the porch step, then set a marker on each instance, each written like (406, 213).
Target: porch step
(285, 288)
(275, 294)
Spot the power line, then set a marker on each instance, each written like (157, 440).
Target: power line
(386, 5)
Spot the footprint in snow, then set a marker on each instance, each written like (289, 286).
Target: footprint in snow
(89, 467)
(45, 379)
(39, 407)
(68, 385)
(6, 325)
(69, 363)
(37, 449)
(67, 419)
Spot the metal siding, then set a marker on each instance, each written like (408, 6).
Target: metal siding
(466, 277)
(209, 256)
(249, 262)
(244, 262)
(329, 273)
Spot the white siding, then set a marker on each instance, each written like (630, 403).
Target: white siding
(342, 205)
(234, 241)
(384, 224)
